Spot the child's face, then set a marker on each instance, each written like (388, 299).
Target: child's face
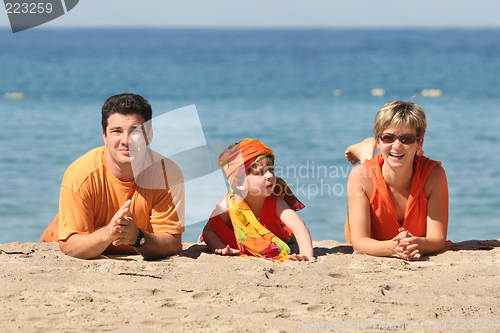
(261, 180)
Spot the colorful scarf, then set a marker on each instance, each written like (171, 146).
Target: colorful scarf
(252, 237)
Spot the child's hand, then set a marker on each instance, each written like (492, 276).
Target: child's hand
(300, 257)
(227, 251)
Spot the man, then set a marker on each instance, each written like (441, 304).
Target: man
(121, 197)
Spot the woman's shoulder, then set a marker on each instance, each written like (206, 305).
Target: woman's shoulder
(361, 172)
(437, 172)
(360, 181)
(436, 180)
(429, 169)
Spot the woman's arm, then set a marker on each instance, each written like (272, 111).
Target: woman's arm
(405, 245)
(436, 190)
(293, 221)
(358, 209)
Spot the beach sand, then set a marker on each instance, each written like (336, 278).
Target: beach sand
(43, 290)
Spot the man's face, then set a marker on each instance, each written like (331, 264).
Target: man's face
(118, 140)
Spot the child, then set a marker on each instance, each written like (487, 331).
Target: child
(257, 216)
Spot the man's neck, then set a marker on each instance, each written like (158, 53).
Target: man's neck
(122, 172)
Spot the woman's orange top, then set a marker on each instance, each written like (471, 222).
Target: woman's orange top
(383, 217)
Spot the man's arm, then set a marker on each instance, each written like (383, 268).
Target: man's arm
(87, 246)
(167, 216)
(91, 245)
(121, 231)
(157, 245)
(160, 245)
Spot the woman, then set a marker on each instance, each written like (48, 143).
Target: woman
(398, 200)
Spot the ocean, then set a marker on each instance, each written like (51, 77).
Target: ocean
(307, 94)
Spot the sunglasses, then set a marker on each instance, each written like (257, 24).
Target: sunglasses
(406, 139)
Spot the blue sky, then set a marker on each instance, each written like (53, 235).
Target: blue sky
(278, 13)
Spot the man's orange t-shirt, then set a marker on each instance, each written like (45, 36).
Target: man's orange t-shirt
(91, 195)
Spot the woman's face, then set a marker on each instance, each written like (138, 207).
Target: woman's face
(398, 145)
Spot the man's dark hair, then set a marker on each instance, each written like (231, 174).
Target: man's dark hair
(125, 104)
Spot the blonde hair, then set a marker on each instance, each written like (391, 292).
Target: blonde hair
(395, 113)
